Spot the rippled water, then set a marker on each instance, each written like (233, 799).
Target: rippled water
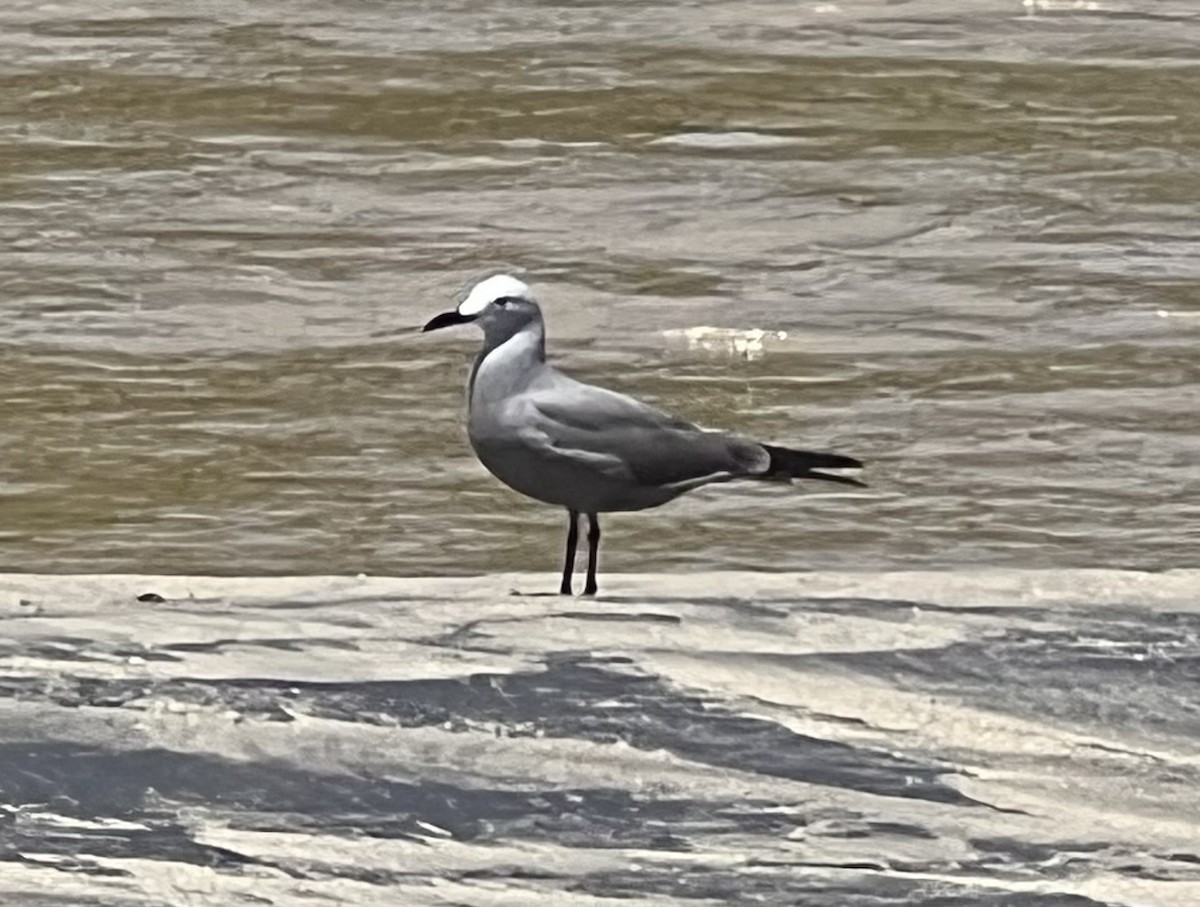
(977, 229)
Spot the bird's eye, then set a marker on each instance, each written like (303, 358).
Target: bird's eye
(502, 300)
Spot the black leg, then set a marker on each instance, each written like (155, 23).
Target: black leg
(569, 560)
(593, 553)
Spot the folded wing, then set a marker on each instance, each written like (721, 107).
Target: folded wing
(629, 440)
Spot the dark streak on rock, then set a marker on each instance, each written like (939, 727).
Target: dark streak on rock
(785, 885)
(150, 786)
(1101, 672)
(73, 649)
(283, 644)
(620, 616)
(574, 697)
(104, 787)
(77, 899)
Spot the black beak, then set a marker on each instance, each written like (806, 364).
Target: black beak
(447, 319)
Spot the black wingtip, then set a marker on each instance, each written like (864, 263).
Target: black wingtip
(829, 477)
(803, 464)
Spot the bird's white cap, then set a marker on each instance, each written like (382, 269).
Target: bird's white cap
(489, 290)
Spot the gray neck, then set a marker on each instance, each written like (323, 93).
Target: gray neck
(507, 363)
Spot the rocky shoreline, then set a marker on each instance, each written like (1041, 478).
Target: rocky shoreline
(992, 737)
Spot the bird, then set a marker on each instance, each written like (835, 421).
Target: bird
(585, 448)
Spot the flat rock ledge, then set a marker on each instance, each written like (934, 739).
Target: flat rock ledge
(963, 738)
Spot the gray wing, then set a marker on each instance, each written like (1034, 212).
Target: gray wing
(627, 439)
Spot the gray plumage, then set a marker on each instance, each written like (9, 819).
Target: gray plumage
(585, 448)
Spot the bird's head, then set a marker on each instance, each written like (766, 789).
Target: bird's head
(502, 306)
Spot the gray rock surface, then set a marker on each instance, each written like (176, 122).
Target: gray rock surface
(973, 738)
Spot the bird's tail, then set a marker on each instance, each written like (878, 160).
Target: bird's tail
(787, 464)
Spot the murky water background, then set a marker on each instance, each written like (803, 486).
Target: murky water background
(976, 223)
